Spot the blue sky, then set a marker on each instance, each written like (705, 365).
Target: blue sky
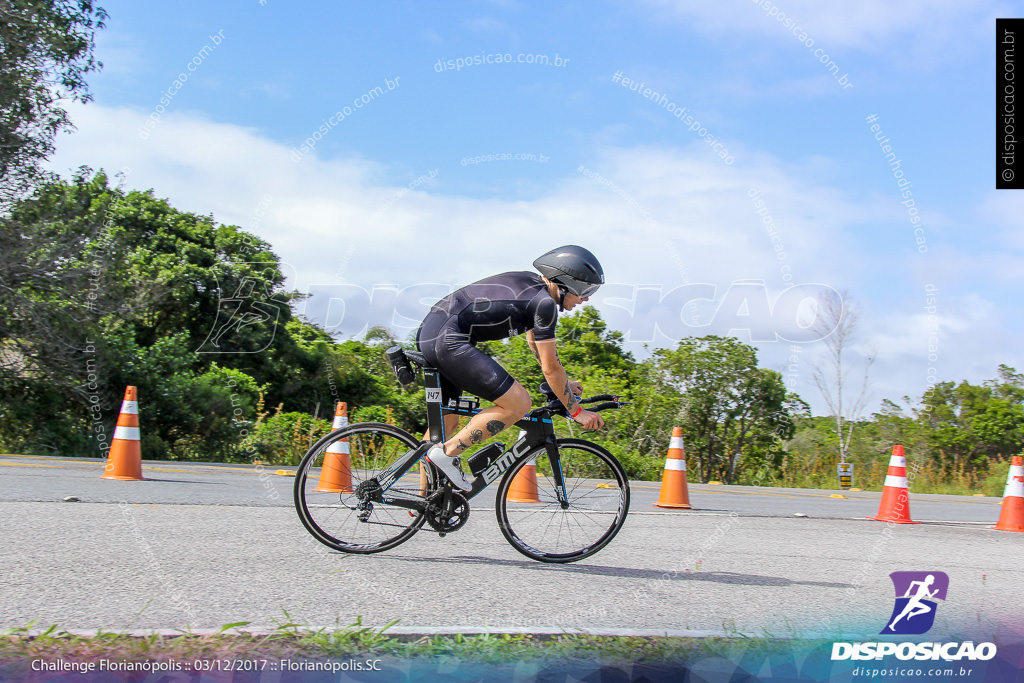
(445, 175)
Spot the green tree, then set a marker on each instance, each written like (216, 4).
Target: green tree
(102, 288)
(585, 340)
(971, 424)
(46, 50)
(728, 405)
(584, 344)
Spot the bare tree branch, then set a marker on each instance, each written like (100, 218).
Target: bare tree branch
(836, 322)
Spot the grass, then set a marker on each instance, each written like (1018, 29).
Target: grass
(293, 641)
(813, 471)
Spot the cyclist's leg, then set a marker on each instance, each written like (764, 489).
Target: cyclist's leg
(451, 423)
(507, 409)
(467, 368)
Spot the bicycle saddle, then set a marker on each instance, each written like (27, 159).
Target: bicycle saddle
(417, 358)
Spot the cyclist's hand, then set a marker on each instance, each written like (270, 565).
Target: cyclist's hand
(589, 420)
(575, 387)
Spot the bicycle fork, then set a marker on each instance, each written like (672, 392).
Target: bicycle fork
(556, 472)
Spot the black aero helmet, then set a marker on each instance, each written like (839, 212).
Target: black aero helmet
(573, 267)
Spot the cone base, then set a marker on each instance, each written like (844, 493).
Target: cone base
(1011, 518)
(524, 487)
(674, 492)
(334, 489)
(894, 520)
(124, 461)
(894, 506)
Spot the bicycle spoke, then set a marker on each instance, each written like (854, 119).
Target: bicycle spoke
(597, 494)
(336, 517)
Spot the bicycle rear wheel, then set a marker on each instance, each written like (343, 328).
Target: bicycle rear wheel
(325, 489)
(597, 493)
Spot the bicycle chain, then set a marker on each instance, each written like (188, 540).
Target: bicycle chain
(434, 514)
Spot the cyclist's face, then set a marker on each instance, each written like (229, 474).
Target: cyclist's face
(571, 300)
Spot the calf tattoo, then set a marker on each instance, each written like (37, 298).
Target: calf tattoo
(495, 426)
(476, 436)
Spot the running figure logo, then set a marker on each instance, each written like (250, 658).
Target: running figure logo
(914, 612)
(247, 321)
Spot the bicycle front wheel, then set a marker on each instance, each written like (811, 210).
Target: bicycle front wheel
(597, 501)
(326, 482)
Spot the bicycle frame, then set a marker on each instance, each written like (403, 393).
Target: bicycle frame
(539, 431)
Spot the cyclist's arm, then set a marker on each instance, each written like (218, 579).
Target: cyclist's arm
(559, 382)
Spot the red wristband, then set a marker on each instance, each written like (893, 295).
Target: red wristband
(579, 409)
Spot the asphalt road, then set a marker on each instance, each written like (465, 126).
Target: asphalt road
(203, 545)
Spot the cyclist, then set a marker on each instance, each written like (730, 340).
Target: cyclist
(500, 307)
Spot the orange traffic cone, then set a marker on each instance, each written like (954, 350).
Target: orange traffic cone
(895, 505)
(523, 488)
(674, 493)
(336, 472)
(1012, 516)
(124, 461)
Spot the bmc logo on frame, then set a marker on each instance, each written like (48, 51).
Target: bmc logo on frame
(914, 614)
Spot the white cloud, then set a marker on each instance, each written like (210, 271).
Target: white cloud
(640, 204)
(909, 29)
(663, 217)
(1004, 210)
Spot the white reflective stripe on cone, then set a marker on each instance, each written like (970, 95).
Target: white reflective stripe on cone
(1015, 488)
(339, 447)
(676, 442)
(130, 407)
(126, 433)
(898, 461)
(675, 464)
(339, 422)
(896, 482)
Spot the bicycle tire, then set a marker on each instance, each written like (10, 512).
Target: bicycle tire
(598, 497)
(331, 515)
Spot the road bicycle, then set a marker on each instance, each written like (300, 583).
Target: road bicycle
(373, 500)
